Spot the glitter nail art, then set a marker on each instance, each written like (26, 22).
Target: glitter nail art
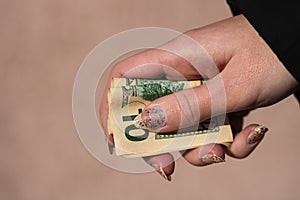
(153, 118)
(257, 134)
(212, 158)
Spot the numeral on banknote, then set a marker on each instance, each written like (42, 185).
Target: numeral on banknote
(129, 129)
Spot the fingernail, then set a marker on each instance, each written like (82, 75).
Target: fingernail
(257, 134)
(161, 172)
(212, 158)
(109, 146)
(153, 118)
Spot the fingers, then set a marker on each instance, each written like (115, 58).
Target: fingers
(146, 64)
(246, 141)
(155, 64)
(205, 155)
(163, 164)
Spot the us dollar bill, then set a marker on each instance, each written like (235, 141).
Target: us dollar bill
(129, 97)
(117, 82)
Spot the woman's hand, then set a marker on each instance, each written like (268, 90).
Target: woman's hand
(251, 74)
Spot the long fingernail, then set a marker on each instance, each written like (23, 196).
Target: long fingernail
(153, 118)
(257, 134)
(161, 172)
(212, 158)
(109, 146)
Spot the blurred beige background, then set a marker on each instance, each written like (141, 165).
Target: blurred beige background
(42, 44)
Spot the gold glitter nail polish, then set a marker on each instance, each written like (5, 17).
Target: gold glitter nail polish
(212, 158)
(257, 134)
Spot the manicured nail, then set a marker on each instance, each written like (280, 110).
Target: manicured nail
(257, 134)
(153, 118)
(161, 172)
(110, 146)
(212, 158)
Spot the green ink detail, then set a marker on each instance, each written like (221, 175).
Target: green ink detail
(137, 81)
(153, 91)
(135, 138)
(127, 92)
(129, 81)
(184, 134)
(128, 118)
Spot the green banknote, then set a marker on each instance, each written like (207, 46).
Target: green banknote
(128, 97)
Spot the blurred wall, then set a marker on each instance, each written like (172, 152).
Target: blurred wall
(42, 44)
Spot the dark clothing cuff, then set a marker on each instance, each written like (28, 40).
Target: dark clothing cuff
(278, 23)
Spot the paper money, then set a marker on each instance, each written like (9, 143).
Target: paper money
(128, 97)
(117, 82)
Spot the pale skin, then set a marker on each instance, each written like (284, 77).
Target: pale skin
(247, 67)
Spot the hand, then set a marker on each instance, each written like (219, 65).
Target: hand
(252, 77)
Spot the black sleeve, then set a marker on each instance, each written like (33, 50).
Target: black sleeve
(278, 23)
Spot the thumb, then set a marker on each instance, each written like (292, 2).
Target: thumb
(184, 108)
